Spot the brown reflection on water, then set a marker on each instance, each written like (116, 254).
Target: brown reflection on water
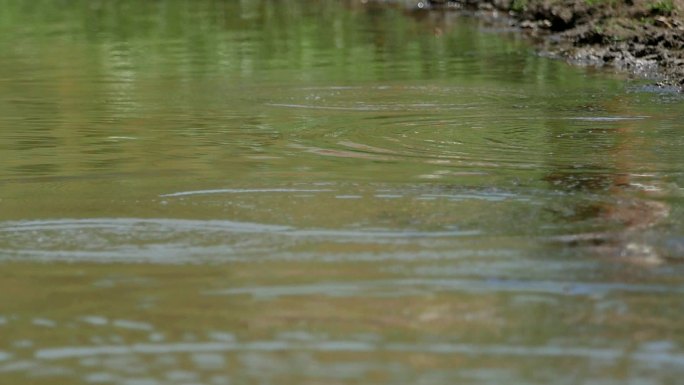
(626, 201)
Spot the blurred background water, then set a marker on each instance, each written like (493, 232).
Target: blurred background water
(302, 192)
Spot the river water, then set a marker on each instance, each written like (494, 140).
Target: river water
(299, 192)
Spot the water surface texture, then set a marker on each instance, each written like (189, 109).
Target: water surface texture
(326, 192)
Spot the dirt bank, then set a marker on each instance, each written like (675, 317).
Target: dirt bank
(644, 37)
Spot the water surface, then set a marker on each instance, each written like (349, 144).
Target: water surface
(297, 192)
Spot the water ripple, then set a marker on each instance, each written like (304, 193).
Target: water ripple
(496, 350)
(216, 225)
(184, 240)
(478, 286)
(242, 191)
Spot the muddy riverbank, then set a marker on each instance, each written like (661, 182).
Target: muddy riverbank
(642, 37)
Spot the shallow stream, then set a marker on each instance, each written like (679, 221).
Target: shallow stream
(325, 192)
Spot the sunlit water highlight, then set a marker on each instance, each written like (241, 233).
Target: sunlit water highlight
(327, 192)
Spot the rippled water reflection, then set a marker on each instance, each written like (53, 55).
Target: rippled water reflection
(291, 192)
